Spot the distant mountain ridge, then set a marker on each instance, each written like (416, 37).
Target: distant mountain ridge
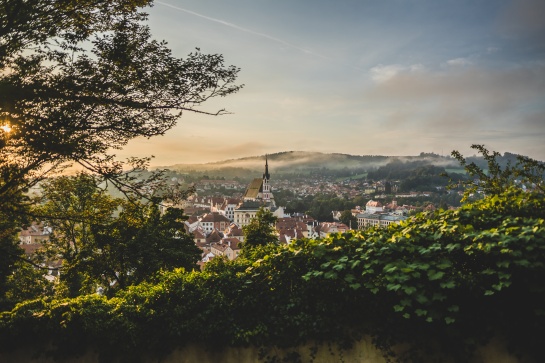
(291, 161)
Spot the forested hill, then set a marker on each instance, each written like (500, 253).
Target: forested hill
(297, 162)
(290, 161)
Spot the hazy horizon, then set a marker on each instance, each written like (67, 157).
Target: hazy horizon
(360, 77)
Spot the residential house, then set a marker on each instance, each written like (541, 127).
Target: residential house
(326, 228)
(228, 247)
(213, 221)
(35, 233)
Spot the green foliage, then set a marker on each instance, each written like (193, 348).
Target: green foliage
(71, 205)
(10, 253)
(139, 242)
(107, 241)
(320, 206)
(260, 230)
(79, 78)
(496, 178)
(27, 283)
(457, 278)
(413, 173)
(349, 219)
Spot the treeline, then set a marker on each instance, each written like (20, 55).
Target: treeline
(414, 175)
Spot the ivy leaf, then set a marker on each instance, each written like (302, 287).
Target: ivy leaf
(355, 286)
(435, 275)
(393, 287)
(448, 285)
(421, 312)
(421, 298)
(454, 308)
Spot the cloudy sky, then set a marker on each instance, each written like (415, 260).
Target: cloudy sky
(379, 77)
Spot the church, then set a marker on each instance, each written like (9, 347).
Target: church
(260, 188)
(257, 195)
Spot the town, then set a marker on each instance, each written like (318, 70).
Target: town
(218, 209)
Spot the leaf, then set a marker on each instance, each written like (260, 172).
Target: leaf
(448, 285)
(421, 298)
(421, 312)
(454, 308)
(390, 269)
(435, 275)
(449, 320)
(393, 287)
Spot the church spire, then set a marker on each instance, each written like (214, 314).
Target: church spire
(266, 175)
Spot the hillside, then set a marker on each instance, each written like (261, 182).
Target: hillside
(301, 161)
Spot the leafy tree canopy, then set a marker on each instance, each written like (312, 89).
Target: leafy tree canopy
(349, 219)
(79, 78)
(261, 230)
(111, 242)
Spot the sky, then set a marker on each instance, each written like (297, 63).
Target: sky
(361, 77)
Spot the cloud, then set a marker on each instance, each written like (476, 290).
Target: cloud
(471, 83)
(383, 73)
(457, 62)
(463, 103)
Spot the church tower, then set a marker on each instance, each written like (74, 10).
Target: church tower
(260, 188)
(267, 195)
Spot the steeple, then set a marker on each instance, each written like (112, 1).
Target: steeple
(266, 175)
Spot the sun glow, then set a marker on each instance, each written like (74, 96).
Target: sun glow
(6, 128)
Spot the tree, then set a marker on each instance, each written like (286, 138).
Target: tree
(71, 206)
(109, 241)
(349, 219)
(260, 231)
(79, 78)
(497, 179)
(10, 253)
(27, 283)
(140, 242)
